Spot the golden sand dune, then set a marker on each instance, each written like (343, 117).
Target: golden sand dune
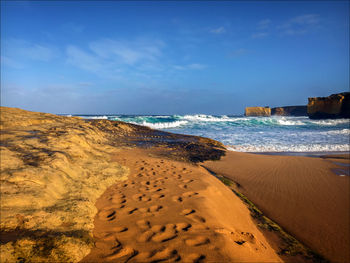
(302, 194)
(173, 211)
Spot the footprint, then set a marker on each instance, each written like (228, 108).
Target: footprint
(158, 196)
(156, 190)
(197, 241)
(197, 218)
(188, 181)
(122, 254)
(189, 194)
(131, 211)
(155, 208)
(146, 236)
(183, 226)
(158, 228)
(119, 229)
(188, 212)
(106, 214)
(240, 242)
(194, 258)
(177, 199)
(118, 201)
(143, 224)
(164, 236)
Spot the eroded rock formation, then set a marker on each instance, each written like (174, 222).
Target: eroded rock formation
(258, 111)
(331, 107)
(290, 111)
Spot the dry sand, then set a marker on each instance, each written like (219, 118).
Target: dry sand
(302, 194)
(173, 211)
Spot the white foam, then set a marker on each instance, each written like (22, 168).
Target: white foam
(162, 125)
(289, 148)
(331, 122)
(210, 118)
(95, 117)
(284, 121)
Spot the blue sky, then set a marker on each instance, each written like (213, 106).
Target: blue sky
(171, 57)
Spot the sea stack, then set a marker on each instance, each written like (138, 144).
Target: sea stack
(332, 107)
(258, 111)
(290, 111)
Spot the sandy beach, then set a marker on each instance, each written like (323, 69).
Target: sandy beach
(103, 191)
(302, 194)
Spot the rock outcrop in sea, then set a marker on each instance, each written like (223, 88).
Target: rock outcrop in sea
(290, 111)
(332, 107)
(258, 111)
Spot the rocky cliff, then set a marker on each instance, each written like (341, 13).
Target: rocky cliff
(331, 107)
(290, 111)
(258, 111)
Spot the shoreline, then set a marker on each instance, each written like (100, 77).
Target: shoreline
(305, 154)
(304, 195)
(164, 169)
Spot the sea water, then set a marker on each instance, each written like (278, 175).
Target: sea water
(252, 134)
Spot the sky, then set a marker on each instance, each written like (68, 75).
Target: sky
(171, 57)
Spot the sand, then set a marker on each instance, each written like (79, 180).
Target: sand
(302, 194)
(104, 191)
(173, 211)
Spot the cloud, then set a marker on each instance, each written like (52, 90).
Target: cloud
(219, 30)
(85, 84)
(73, 27)
(238, 52)
(310, 19)
(83, 60)
(194, 66)
(260, 35)
(300, 24)
(8, 62)
(264, 24)
(119, 59)
(128, 52)
(16, 50)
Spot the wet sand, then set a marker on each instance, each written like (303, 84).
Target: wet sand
(302, 194)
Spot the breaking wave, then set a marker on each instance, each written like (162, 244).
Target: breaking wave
(252, 134)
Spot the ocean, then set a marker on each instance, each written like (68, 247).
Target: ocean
(252, 134)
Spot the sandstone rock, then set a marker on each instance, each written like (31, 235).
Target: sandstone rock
(258, 111)
(290, 111)
(331, 107)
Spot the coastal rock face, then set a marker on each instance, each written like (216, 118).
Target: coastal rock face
(258, 111)
(331, 107)
(290, 111)
(53, 169)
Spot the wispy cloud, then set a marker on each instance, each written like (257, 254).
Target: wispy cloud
(8, 62)
(219, 30)
(263, 24)
(238, 52)
(260, 35)
(108, 57)
(194, 66)
(310, 19)
(128, 52)
(83, 60)
(262, 29)
(300, 24)
(73, 27)
(17, 50)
